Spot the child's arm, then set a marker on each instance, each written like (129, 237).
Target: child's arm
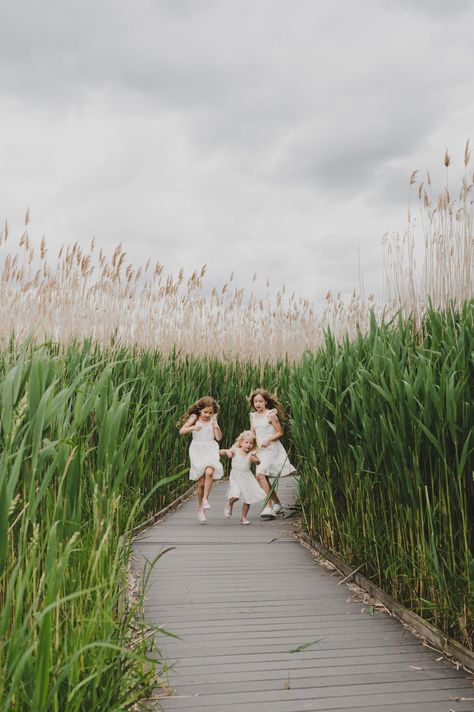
(215, 428)
(252, 429)
(229, 453)
(254, 459)
(272, 418)
(189, 425)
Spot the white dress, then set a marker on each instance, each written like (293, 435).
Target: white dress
(274, 460)
(204, 452)
(242, 483)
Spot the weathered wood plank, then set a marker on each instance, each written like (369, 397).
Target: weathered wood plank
(375, 705)
(331, 699)
(243, 597)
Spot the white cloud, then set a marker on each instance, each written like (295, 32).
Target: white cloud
(271, 136)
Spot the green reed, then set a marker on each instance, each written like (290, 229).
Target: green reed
(384, 428)
(88, 449)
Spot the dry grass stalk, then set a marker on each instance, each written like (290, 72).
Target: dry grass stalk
(447, 274)
(84, 294)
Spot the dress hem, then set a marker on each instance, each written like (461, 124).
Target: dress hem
(216, 475)
(270, 474)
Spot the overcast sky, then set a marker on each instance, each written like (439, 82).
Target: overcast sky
(275, 136)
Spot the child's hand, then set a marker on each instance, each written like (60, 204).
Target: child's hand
(196, 428)
(214, 419)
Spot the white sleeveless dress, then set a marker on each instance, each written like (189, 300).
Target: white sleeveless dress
(274, 459)
(204, 452)
(242, 483)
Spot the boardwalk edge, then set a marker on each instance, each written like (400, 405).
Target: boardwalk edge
(433, 635)
(163, 512)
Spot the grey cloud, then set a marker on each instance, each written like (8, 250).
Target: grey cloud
(224, 132)
(437, 8)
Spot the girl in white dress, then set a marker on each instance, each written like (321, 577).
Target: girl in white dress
(265, 421)
(242, 483)
(200, 419)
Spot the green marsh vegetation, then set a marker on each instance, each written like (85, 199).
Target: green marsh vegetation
(384, 428)
(88, 450)
(99, 359)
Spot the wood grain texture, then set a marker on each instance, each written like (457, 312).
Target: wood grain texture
(241, 598)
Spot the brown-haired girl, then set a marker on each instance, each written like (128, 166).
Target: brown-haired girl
(266, 416)
(242, 483)
(200, 419)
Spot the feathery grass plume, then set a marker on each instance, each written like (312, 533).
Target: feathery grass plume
(447, 273)
(82, 294)
(97, 360)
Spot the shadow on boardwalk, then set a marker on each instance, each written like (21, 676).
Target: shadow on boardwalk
(242, 598)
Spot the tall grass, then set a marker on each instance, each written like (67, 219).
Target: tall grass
(82, 293)
(98, 359)
(88, 448)
(444, 225)
(384, 428)
(85, 294)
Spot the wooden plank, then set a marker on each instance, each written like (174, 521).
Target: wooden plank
(384, 682)
(427, 630)
(347, 673)
(325, 705)
(243, 597)
(392, 661)
(331, 699)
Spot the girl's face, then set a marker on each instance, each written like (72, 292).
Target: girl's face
(206, 413)
(247, 444)
(259, 403)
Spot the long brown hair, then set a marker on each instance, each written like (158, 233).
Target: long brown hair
(271, 401)
(196, 407)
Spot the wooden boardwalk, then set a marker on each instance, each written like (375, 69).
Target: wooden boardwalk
(243, 598)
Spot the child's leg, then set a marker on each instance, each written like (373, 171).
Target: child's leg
(201, 515)
(229, 505)
(200, 490)
(208, 480)
(264, 483)
(274, 498)
(245, 511)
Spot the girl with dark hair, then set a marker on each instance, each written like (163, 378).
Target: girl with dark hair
(200, 420)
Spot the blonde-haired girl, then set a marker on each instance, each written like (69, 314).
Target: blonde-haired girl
(266, 416)
(200, 419)
(242, 483)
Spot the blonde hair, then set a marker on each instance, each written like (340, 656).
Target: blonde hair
(246, 434)
(196, 407)
(271, 401)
